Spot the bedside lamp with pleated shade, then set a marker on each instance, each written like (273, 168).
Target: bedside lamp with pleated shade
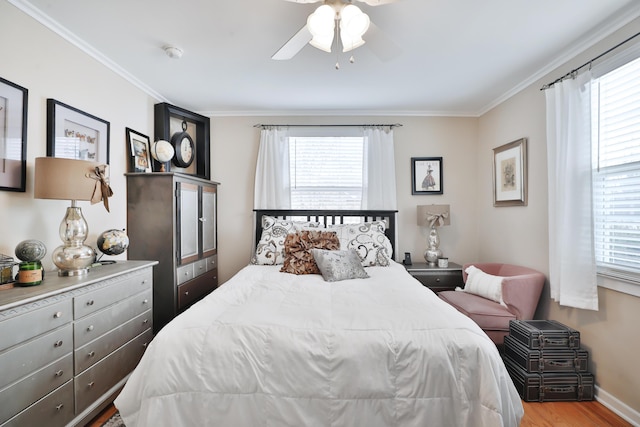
(75, 180)
(433, 216)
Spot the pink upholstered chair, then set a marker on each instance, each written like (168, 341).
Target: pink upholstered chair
(521, 289)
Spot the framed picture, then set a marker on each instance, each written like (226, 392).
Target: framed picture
(189, 133)
(74, 134)
(13, 136)
(510, 174)
(426, 175)
(139, 151)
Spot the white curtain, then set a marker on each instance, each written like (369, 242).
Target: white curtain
(572, 270)
(272, 188)
(378, 169)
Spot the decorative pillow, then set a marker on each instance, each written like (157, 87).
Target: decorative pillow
(483, 284)
(368, 240)
(339, 265)
(297, 249)
(270, 248)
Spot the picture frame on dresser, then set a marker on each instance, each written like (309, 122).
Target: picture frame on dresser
(139, 151)
(13, 136)
(176, 124)
(74, 134)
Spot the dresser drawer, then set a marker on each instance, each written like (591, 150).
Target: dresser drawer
(96, 350)
(23, 393)
(54, 410)
(445, 280)
(91, 327)
(212, 262)
(33, 355)
(184, 273)
(192, 291)
(120, 289)
(95, 381)
(20, 328)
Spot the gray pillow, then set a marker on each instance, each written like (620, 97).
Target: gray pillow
(339, 265)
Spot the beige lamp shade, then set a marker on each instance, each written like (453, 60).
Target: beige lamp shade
(433, 215)
(64, 179)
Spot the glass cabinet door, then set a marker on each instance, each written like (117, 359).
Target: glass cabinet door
(208, 221)
(188, 222)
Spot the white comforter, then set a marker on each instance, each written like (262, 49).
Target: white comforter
(275, 349)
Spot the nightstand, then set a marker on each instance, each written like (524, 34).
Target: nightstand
(437, 278)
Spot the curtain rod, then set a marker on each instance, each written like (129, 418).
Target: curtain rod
(393, 125)
(570, 73)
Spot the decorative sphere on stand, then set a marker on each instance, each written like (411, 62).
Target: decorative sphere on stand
(30, 250)
(162, 151)
(113, 242)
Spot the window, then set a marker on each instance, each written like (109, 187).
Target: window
(326, 172)
(616, 171)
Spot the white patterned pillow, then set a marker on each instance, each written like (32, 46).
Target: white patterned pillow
(339, 265)
(270, 248)
(484, 284)
(368, 240)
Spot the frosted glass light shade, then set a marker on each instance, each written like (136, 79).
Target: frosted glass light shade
(321, 25)
(353, 24)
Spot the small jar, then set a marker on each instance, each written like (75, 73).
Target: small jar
(443, 262)
(30, 273)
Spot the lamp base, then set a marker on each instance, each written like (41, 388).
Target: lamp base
(73, 260)
(432, 253)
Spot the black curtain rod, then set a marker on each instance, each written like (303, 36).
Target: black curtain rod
(260, 125)
(570, 73)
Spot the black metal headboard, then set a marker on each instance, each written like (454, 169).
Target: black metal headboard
(329, 217)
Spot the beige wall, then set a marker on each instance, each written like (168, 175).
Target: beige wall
(53, 68)
(520, 235)
(235, 148)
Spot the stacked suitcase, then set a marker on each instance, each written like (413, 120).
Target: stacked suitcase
(546, 363)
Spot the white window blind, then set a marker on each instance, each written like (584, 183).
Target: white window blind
(326, 172)
(616, 177)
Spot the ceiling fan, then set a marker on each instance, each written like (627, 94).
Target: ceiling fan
(344, 21)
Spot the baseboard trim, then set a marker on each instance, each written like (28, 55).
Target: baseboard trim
(622, 409)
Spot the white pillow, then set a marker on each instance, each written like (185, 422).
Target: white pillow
(339, 265)
(367, 239)
(484, 285)
(270, 248)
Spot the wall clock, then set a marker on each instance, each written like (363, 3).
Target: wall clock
(189, 134)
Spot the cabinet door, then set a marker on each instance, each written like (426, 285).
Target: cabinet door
(188, 222)
(208, 221)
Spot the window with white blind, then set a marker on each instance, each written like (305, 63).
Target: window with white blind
(616, 172)
(326, 172)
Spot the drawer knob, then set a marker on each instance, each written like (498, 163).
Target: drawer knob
(59, 407)
(186, 293)
(145, 301)
(91, 384)
(145, 321)
(90, 302)
(59, 373)
(144, 281)
(145, 345)
(57, 343)
(91, 353)
(203, 219)
(57, 315)
(90, 328)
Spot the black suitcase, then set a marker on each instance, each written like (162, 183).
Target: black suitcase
(548, 360)
(551, 387)
(544, 334)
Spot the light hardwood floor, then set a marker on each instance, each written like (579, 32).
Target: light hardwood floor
(548, 414)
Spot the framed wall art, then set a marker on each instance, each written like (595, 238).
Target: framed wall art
(426, 175)
(13, 136)
(139, 151)
(189, 133)
(510, 174)
(74, 134)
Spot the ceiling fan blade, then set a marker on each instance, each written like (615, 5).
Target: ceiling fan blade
(294, 45)
(368, 2)
(380, 44)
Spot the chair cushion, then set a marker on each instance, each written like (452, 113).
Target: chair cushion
(486, 313)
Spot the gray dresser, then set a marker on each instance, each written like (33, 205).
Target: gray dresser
(68, 345)
(172, 218)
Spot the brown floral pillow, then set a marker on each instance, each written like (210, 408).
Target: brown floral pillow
(297, 250)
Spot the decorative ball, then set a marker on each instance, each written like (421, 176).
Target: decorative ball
(162, 151)
(113, 242)
(30, 250)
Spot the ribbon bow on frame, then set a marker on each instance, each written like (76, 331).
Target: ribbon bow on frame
(102, 190)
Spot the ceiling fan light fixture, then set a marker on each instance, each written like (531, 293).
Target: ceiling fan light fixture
(353, 24)
(321, 25)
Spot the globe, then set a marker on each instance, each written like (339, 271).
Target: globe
(30, 250)
(113, 242)
(162, 151)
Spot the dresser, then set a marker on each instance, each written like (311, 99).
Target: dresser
(68, 345)
(437, 278)
(172, 218)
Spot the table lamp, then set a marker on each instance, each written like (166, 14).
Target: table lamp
(69, 179)
(433, 216)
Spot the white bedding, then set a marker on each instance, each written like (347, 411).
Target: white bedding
(275, 349)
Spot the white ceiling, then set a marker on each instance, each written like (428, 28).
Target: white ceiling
(457, 57)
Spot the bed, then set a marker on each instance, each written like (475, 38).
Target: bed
(270, 348)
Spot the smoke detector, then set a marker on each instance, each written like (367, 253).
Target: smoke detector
(173, 52)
